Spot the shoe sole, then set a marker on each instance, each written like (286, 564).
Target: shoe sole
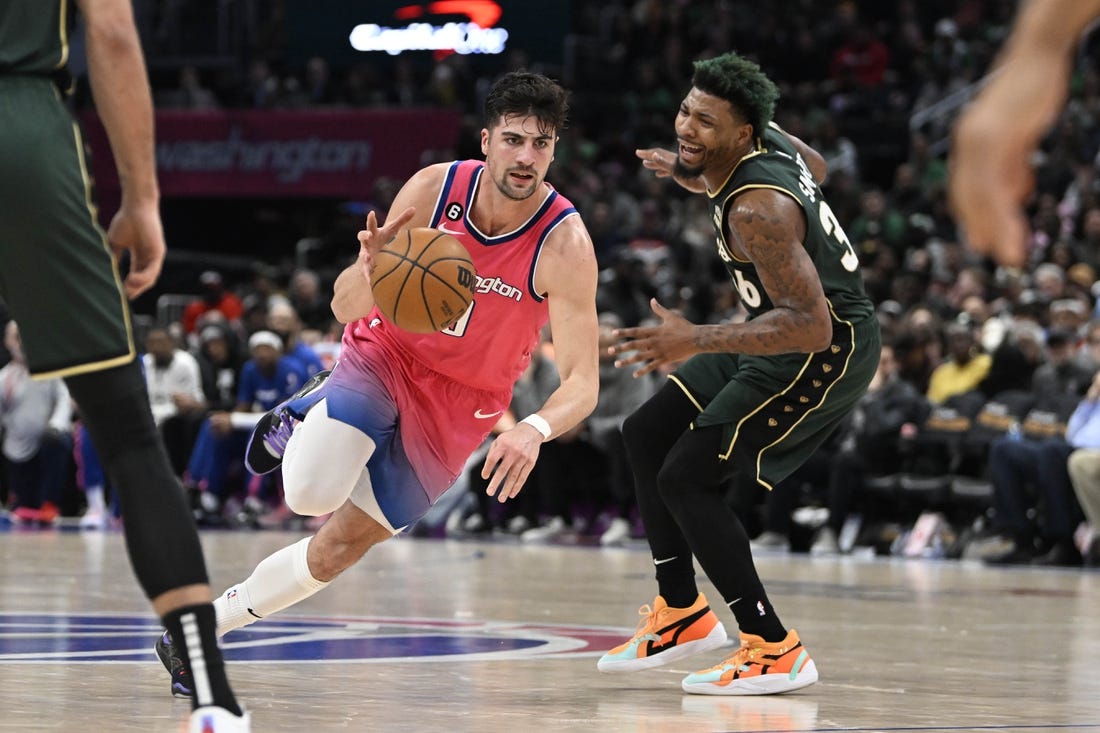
(210, 718)
(715, 639)
(765, 684)
(258, 460)
(178, 690)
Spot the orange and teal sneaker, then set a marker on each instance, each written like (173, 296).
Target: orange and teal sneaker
(758, 668)
(666, 634)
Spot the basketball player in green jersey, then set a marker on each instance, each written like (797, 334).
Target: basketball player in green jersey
(754, 398)
(62, 285)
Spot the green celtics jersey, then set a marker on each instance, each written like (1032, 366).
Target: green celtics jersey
(34, 36)
(776, 164)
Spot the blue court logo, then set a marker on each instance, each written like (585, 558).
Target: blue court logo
(36, 638)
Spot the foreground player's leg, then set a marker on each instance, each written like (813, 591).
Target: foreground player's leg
(324, 466)
(679, 623)
(161, 538)
(286, 577)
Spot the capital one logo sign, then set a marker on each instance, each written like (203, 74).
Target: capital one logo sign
(476, 35)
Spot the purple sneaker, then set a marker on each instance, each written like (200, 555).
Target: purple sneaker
(271, 434)
(173, 662)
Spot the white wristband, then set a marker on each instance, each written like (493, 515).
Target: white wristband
(538, 422)
(244, 420)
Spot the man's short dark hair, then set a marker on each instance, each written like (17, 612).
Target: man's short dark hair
(741, 83)
(526, 93)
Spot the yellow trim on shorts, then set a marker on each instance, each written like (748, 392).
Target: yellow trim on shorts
(92, 366)
(131, 354)
(675, 380)
(737, 429)
(851, 351)
(63, 35)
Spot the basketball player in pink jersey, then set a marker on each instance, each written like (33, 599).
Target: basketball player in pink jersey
(382, 436)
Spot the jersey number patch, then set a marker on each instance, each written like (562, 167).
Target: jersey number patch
(749, 293)
(850, 260)
(458, 328)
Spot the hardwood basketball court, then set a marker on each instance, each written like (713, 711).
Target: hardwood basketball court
(436, 635)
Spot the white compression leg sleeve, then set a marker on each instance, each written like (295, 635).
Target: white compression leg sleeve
(280, 580)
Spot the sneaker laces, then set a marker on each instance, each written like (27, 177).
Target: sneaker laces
(279, 434)
(648, 622)
(742, 658)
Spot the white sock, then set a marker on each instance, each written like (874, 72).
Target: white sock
(94, 496)
(280, 580)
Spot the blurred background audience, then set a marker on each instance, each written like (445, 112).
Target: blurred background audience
(874, 86)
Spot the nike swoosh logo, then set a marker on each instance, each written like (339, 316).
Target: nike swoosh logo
(452, 232)
(254, 613)
(483, 416)
(662, 562)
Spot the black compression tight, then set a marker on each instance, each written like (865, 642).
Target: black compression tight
(681, 487)
(160, 533)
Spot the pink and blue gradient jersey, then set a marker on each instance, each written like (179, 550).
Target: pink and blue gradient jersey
(429, 400)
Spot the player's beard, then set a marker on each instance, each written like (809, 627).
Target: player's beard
(679, 170)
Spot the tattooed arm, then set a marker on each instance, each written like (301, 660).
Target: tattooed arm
(767, 228)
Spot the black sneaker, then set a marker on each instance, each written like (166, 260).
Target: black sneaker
(181, 676)
(1062, 554)
(271, 434)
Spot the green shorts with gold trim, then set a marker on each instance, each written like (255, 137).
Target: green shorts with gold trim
(777, 410)
(58, 277)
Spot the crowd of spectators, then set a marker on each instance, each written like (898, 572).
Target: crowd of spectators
(863, 82)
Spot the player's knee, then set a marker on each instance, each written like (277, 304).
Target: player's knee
(692, 466)
(315, 493)
(673, 483)
(115, 407)
(322, 463)
(633, 427)
(639, 439)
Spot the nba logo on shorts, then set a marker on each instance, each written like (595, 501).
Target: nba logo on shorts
(760, 607)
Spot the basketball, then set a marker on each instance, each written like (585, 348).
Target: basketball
(423, 280)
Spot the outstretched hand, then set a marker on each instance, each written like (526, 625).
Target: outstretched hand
(991, 172)
(654, 347)
(991, 178)
(663, 163)
(373, 238)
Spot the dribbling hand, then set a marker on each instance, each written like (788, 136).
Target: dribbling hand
(374, 238)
